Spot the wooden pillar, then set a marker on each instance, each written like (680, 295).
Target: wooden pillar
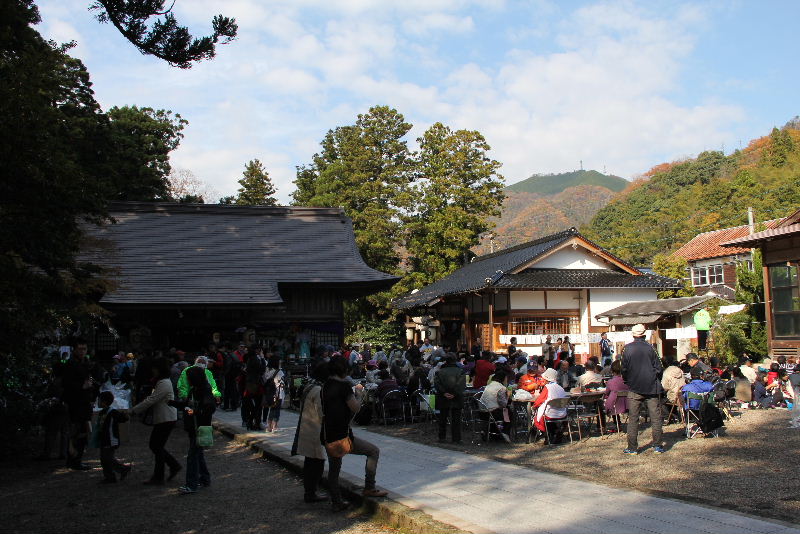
(491, 321)
(467, 324)
(768, 308)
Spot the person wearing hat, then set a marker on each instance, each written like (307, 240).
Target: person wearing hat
(641, 370)
(746, 366)
(544, 411)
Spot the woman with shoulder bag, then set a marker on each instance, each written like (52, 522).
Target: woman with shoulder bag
(164, 417)
(306, 437)
(339, 405)
(199, 407)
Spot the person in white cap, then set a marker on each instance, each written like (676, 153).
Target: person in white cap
(544, 411)
(641, 370)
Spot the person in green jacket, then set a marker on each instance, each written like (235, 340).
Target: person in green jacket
(450, 383)
(183, 382)
(702, 322)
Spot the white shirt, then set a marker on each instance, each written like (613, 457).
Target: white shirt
(749, 373)
(590, 377)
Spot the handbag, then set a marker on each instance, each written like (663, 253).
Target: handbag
(340, 447)
(205, 436)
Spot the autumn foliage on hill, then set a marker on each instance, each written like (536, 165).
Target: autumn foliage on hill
(675, 201)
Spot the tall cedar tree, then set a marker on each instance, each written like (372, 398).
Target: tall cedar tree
(366, 169)
(256, 186)
(458, 189)
(153, 29)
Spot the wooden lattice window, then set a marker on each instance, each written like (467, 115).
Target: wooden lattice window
(545, 325)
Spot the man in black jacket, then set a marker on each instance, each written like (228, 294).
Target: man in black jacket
(450, 383)
(80, 379)
(641, 370)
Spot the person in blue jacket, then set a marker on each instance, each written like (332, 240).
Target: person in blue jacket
(698, 384)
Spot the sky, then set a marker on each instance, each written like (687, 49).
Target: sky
(619, 86)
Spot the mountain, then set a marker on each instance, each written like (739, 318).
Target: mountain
(675, 201)
(551, 184)
(545, 204)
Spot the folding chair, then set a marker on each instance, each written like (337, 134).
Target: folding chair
(425, 411)
(562, 402)
(590, 416)
(392, 402)
(692, 416)
(483, 422)
(675, 407)
(617, 416)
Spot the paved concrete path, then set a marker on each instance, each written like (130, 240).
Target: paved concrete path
(485, 495)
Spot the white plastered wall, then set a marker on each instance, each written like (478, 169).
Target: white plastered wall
(571, 258)
(602, 300)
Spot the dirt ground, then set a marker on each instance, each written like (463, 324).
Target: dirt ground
(752, 467)
(247, 495)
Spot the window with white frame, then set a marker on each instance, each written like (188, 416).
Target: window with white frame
(699, 276)
(711, 275)
(715, 277)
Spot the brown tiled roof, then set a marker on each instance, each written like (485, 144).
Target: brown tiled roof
(707, 244)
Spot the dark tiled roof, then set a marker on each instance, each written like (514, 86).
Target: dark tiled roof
(194, 254)
(657, 307)
(709, 244)
(580, 278)
(766, 235)
(475, 275)
(726, 292)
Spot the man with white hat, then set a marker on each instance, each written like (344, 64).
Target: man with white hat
(641, 370)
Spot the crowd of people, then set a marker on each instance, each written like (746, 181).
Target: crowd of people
(171, 387)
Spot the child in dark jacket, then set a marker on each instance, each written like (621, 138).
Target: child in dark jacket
(107, 439)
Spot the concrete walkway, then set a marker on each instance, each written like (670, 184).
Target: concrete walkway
(482, 495)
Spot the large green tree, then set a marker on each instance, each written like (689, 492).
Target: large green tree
(366, 169)
(255, 186)
(141, 141)
(458, 189)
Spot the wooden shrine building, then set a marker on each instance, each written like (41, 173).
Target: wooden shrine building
(555, 285)
(187, 274)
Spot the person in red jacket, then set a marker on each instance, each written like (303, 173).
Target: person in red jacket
(483, 370)
(532, 380)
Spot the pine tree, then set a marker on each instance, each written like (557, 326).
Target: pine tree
(256, 186)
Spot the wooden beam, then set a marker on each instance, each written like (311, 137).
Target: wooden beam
(491, 321)
(768, 309)
(467, 324)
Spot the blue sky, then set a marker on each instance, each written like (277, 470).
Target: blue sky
(620, 85)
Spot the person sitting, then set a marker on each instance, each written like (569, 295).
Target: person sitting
(495, 398)
(520, 367)
(761, 396)
(672, 381)
(387, 384)
(772, 375)
(616, 404)
(483, 369)
(373, 368)
(401, 370)
(418, 382)
(744, 390)
(544, 412)
(563, 377)
(746, 366)
(694, 361)
(592, 378)
(713, 362)
(698, 384)
(532, 380)
(787, 391)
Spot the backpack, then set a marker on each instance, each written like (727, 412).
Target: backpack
(710, 418)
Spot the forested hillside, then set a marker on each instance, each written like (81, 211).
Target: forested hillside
(551, 184)
(545, 204)
(675, 201)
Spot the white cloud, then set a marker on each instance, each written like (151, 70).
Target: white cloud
(606, 88)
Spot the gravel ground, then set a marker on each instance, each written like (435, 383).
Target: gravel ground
(247, 495)
(752, 467)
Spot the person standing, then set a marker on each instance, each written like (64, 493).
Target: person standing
(450, 384)
(107, 439)
(702, 322)
(164, 417)
(606, 349)
(274, 392)
(79, 389)
(307, 436)
(199, 409)
(340, 402)
(641, 371)
(253, 388)
(549, 352)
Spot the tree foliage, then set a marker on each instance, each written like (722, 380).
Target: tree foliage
(677, 268)
(705, 193)
(142, 139)
(255, 186)
(154, 30)
(414, 214)
(458, 189)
